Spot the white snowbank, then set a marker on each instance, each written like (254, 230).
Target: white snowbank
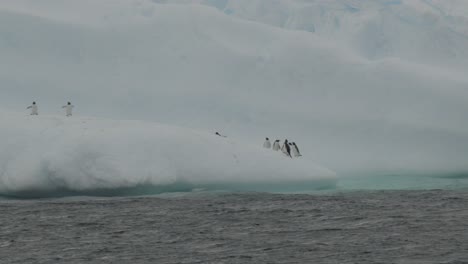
(50, 153)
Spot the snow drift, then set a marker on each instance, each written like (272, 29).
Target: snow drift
(49, 155)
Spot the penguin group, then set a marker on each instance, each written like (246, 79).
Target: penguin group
(35, 110)
(290, 149)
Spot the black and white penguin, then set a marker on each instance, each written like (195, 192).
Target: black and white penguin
(286, 148)
(276, 145)
(267, 143)
(295, 150)
(33, 107)
(218, 134)
(68, 109)
(291, 149)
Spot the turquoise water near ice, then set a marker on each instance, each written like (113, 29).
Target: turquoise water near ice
(403, 181)
(343, 183)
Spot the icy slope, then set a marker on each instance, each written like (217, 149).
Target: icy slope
(194, 66)
(52, 153)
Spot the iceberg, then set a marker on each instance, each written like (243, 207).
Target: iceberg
(381, 91)
(54, 156)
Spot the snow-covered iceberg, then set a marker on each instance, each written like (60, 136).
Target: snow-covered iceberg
(379, 90)
(54, 155)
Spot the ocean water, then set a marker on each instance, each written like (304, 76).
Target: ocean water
(421, 220)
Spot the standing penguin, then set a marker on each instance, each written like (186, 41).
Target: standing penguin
(291, 149)
(68, 108)
(295, 150)
(286, 149)
(33, 107)
(276, 145)
(267, 143)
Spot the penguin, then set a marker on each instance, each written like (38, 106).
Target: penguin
(295, 150)
(286, 149)
(68, 108)
(276, 145)
(218, 134)
(33, 107)
(267, 143)
(291, 149)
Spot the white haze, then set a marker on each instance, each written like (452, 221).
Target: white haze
(383, 88)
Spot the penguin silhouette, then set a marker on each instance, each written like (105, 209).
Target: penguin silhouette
(291, 149)
(68, 108)
(218, 134)
(295, 150)
(33, 107)
(267, 143)
(276, 145)
(286, 148)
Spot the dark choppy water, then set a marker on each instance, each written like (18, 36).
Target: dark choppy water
(354, 227)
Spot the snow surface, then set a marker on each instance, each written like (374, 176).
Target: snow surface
(55, 153)
(386, 89)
